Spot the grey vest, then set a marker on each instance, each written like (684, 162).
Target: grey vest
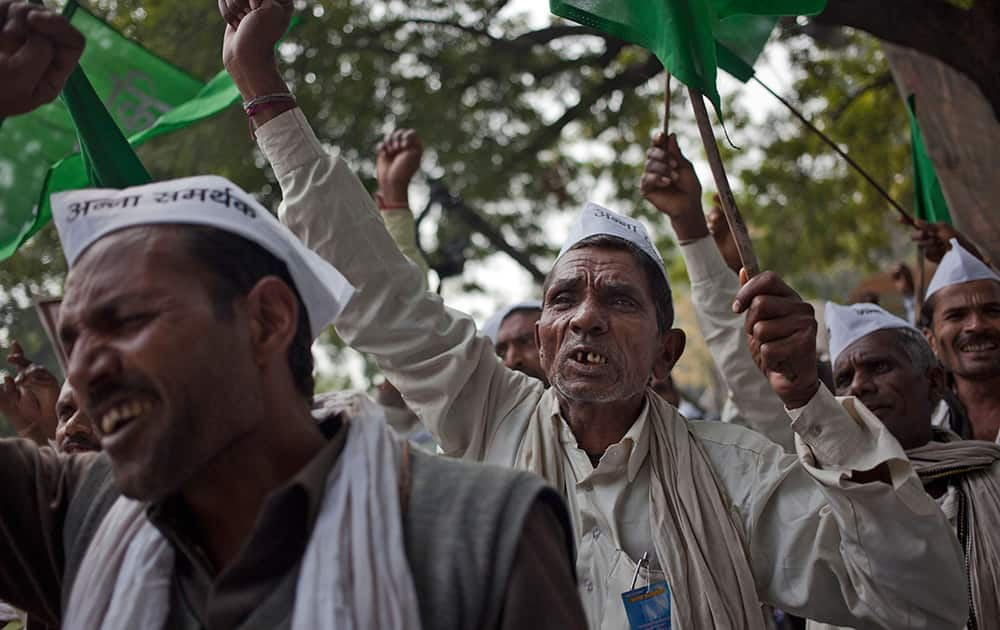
(462, 525)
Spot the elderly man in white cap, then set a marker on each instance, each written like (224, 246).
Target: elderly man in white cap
(885, 363)
(692, 524)
(512, 331)
(961, 319)
(187, 319)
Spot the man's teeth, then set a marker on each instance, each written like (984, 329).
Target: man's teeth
(979, 347)
(591, 357)
(123, 412)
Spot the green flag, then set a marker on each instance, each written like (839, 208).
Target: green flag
(681, 33)
(931, 205)
(71, 173)
(739, 40)
(137, 87)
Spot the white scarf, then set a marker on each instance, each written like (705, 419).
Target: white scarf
(354, 572)
(698, 543)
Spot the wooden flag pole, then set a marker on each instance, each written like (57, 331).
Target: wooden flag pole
(666, 106)
(736, 225)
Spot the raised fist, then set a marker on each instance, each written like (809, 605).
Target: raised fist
(398, 158)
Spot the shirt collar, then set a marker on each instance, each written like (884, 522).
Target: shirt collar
(635, 442)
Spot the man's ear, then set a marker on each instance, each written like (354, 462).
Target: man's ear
(273, 311)
(538, 345)
(931, 340)
(672, 344)
(937, 382)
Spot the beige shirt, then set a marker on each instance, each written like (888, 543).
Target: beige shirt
(750, 402)
(810, 546)
(948, 502)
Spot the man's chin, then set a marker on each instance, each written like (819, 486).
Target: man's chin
(978, 370)
(141, 487)
(587, 391)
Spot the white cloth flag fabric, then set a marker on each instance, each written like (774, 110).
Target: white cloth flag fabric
(847, 324)
(958, 266)
(83, 217)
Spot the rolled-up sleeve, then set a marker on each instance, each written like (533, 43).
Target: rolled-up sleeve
(750, 401)
(865, 555)
(449, 375)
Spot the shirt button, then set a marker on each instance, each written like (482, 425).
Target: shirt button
(596, 533)
(589, 584)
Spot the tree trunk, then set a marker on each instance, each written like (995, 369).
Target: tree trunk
(962, 137)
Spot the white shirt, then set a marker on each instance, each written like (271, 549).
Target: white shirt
(810, 542)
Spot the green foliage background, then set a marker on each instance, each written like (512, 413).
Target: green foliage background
(526, 121)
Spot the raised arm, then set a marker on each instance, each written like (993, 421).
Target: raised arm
(846, 534)
(398, 158)
(447, 374)
(670, 184)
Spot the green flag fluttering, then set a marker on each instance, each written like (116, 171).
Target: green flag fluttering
(931, 205)
(142, 93)
(684, 34)
(739, 40)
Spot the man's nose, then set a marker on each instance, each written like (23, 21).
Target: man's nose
(92, 362)
(589, 318)
(79, 424)
(861, 384)
(512, 358)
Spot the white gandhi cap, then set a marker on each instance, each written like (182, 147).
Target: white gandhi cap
(83, 217)
(958, 266)
(847, 324)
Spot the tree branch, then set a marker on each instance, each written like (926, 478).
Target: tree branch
(880, 81)
(967, 40)
(629, 79)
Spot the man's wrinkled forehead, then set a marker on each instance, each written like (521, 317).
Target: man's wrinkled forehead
(123, 260)
(611, 262)
(974, 292)
(879, 345)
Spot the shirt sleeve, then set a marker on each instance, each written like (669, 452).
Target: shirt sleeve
(402, 228)
(541, 591)
(37, 487)
(750, 401)
(865, 555)
(449, 375)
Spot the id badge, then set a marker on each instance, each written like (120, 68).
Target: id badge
(648, 607)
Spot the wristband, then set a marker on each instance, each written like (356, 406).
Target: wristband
(256, 105)
(385, 205)
(278, 97)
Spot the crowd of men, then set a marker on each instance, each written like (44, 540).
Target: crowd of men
(185, 475)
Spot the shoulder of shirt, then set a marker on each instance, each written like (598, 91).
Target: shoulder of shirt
(726, 434)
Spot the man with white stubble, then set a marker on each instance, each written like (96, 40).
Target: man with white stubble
(711, 516)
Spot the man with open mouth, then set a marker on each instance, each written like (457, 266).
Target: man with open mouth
(961, 319)
(707, 519)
